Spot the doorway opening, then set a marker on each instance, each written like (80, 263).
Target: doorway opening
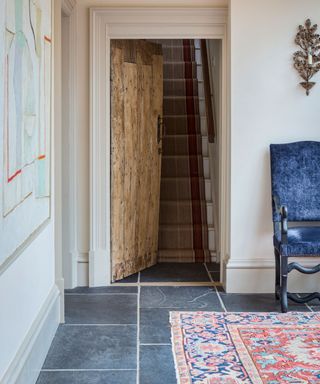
(147, 23)
(165, 128)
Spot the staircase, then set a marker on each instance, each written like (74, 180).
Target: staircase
(186, 232)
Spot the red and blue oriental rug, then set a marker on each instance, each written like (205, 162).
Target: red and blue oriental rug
(250, 348)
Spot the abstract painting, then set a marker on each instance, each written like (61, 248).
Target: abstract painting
(25, 120)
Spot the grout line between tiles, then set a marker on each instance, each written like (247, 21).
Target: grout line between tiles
(174, 284)
(216, 289)
(138, 330)
(310, 308)
(98, 325)
(150, 344)
(306, 304)
(88, 370)
(100, 294)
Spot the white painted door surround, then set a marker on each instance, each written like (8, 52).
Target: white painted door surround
(136, 23)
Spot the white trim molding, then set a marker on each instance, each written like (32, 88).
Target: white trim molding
(258, 276)
(125, 23)
(70, 181)
(25, 367)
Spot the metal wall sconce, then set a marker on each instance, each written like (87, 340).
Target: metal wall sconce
(307, 59)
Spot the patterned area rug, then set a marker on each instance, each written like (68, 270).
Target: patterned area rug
(229, 348)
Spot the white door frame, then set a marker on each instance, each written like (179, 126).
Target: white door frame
(137, 23)
(68, 143)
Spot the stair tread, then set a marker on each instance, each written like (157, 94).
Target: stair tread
(185, 225)
(184, 134)
(187, 156)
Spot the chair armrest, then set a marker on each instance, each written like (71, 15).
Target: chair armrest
(283, 212)
(276, 203)
(284, 224)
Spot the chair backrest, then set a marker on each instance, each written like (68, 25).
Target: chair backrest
(295, 179)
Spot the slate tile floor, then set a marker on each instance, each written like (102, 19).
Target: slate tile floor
(176, 272)
(121, 334)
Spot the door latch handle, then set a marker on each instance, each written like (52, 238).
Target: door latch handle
(159, 133)
(159, 129)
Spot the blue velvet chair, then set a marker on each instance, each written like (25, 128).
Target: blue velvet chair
(295, 178)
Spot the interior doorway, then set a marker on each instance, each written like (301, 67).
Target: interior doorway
(151, 23)
(164, 160)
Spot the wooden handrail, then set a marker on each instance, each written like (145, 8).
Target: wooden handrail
(207, 92)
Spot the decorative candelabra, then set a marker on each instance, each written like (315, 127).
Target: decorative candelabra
(307, 59)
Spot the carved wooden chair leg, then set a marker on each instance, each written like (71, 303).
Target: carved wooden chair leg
(277, 277)
(284, 278)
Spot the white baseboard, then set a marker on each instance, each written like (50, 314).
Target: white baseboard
(258, 276)
(99, 269)
(29, 359)
(83, 274)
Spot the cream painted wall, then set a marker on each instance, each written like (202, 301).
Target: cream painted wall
(24, 288)
(267, 106)
(27, 295)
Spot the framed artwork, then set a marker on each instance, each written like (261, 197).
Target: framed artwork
(25, 121)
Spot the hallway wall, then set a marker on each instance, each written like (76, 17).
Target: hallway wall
(267, 106)
(29, 298)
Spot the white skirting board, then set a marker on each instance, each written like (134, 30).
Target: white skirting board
(258, 276)
(26, 366)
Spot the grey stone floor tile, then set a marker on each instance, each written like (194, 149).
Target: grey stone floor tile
(213, 267)
(93, 347)
(215, 276)
(130, 279)
(314, 304)
(101, 309)
(256, 303)
(180, 298)
(100, 290)
(154, 325)
(175, 272)
(91, 377)
(156, 365)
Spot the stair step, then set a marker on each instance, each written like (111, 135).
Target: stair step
(208, 189)
(176, 53)
(178, 106)
(209, 211)
(176, 125)
(182, 145)
(179, 188)
(180, 255)
(183, 212)
(203, 125)
(206, 167)
(205, 145)
(172, 42)
(180, 70)
(181, 237)
(182, 166)
(211, 239)
(177, 87)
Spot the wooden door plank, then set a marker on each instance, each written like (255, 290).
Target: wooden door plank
(136, 104)
(130, 98)
(117, 164)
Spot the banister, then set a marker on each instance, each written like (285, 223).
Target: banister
(207, 92)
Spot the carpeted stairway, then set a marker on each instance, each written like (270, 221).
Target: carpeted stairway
(183, 232)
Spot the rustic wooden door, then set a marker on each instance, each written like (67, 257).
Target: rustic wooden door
(136, 111)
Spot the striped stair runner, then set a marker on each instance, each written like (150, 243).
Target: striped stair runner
(183, 232)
